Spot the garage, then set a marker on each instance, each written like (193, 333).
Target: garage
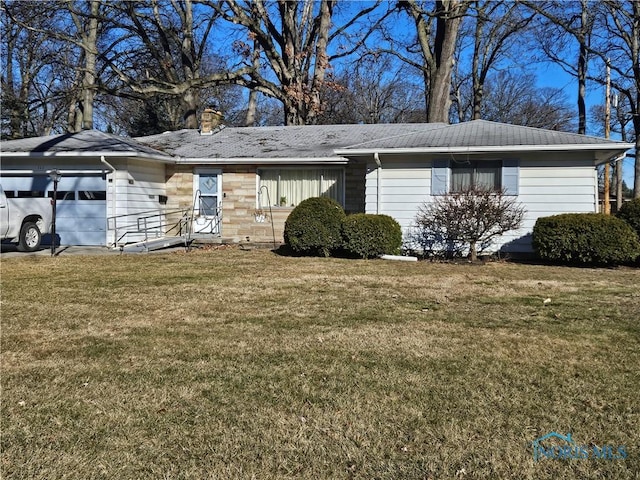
(81, 207)
(107, 184)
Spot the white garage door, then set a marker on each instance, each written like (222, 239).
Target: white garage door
(81, 207)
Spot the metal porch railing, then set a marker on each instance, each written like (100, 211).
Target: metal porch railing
(150, 224)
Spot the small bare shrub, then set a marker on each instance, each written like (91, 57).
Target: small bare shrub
(471, 218)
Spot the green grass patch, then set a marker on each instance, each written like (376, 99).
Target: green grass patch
(241, 364)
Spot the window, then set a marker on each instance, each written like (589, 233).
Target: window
(96, 195)
(288, 187)
(62, 195)
(480, 174)
(453, 175)
(30, 193)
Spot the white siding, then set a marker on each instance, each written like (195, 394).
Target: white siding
(133, 191)
(559, 185)
(148, 183)
(404, 186)
(556, 183)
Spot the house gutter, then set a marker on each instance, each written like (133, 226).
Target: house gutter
(612, 158)
(102, 155)
(263, 161)
(613, 146)
(63, 171)
(376, 158)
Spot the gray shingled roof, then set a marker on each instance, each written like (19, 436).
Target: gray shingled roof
(482, 133)
(312, 141)
(84, 143)
(294, 143)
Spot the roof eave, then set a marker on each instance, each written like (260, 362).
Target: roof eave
(617, 147)
(72, 154)
(264, 161)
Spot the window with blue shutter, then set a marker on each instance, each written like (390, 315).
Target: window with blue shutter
(447, 176)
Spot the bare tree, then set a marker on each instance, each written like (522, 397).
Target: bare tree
(496, 24)
(35, 83)
(171, 40)
(371, 90)
(512, 97)
(474, 217)
(618, 44)
(437, 45)
(565, 22)
(293, 39)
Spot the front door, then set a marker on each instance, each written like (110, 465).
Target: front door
(208, 203)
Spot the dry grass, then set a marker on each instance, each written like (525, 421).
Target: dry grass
(235, 364)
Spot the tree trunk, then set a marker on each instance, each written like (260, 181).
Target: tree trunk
(189, 102)
(582, 68)
(473, 252)
(87, 32)
(293, 114)
(252, 106)
(475, 68)
(449, 17)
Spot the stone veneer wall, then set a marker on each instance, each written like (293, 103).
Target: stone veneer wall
(241, 222)
(240, 217)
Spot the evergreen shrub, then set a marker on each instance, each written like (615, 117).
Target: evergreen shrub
(585, 238)
(314, 227)
(368, 235)
(630, 213)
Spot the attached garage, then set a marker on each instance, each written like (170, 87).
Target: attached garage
(106, 181)
(81, 216)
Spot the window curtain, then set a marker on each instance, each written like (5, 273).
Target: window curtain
(268, 179)
(487, 177)
(482, 174)
(461, 178)
(290, 187)
(331, 185)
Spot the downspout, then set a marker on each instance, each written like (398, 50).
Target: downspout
(113, 199)
(376, 158)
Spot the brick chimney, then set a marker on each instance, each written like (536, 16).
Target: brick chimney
(209, 120)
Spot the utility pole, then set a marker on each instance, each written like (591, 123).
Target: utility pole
(607, 121)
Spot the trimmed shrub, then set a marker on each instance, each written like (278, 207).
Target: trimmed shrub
(630, 213)
(369, 236)
(314, 227)
(585, 238)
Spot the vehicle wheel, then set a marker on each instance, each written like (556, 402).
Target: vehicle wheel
(30, 237)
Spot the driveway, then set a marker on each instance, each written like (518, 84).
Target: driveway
(10, 250)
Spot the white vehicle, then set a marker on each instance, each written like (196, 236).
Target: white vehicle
(24, 220)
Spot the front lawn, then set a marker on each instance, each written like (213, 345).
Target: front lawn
(230, 364)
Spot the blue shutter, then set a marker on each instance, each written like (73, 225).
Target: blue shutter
(440, 177)
(510, 176)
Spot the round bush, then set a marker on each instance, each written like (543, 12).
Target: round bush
(630, 213)
(369, 236)
(314, 227)
(585, 238)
